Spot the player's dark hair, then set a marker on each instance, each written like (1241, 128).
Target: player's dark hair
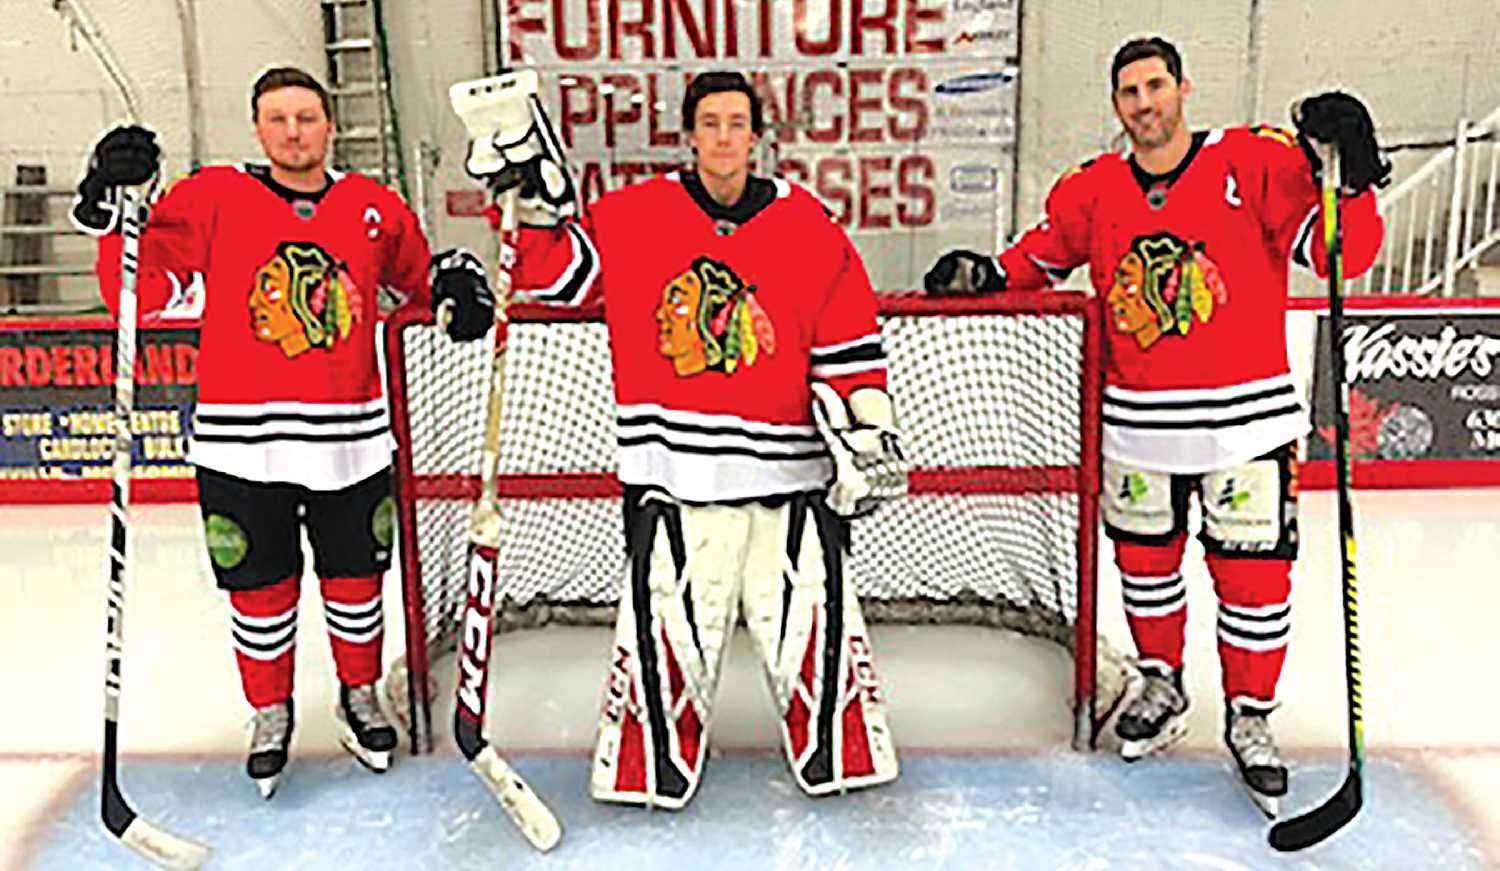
(720, 82)
(1140, 49)
(277, 78)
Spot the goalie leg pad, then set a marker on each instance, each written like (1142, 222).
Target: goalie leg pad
(808, 626)
(677, 610)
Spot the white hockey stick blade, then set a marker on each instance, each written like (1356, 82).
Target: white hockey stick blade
(531, 816)
(163, 848)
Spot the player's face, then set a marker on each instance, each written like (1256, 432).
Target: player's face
(1148, 101)
(721, 134)
(293, 129)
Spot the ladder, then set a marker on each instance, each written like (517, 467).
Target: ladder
(33, 213)
(359, 85)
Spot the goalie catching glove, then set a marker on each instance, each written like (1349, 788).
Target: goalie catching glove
(869, 466)
(512, 145)
(461, 295)
(963, 273)
(124, 156)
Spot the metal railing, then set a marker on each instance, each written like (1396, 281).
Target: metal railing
(1441, 219)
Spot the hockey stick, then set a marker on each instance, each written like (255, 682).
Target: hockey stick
(1340, 808)
(525, 808)
(156, 844)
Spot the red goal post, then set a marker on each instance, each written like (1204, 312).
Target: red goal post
(998, 401)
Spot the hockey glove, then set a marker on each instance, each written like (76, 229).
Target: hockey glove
(869, 466)
(963, 273)
(1343, 121)
(124, 156)
(461, 295)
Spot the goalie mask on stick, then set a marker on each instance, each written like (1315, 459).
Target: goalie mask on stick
(512, 145)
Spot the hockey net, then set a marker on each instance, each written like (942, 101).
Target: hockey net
(998, 403)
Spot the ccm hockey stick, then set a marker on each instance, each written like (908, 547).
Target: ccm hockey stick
(156, 844)
(1340, 808)
(120, 819)
(535, 820)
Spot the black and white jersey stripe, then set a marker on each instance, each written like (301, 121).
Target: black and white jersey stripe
(572, 286)
(1302, 243)
(713, 434)
(1208, 409)
(354, 623)
(1153, 597)
(699, 457)
(864, 354)
(290, 422)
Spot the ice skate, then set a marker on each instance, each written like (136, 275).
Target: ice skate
(271, 733)
(366, 733)
(1247, 732)
(1157, 718)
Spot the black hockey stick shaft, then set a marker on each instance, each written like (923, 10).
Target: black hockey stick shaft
(158, 845)
(1340, 808)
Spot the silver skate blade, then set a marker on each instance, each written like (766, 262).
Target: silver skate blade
(378, 761)
(1175, 730)
(1270, 805)
(525, 807)
(267, 785)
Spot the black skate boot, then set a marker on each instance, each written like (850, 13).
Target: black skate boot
(271, 733)
(1157, 718)
(367, 734)
(1247, 732)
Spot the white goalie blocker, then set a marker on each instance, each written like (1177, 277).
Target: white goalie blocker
(869, 465)
(512, 143)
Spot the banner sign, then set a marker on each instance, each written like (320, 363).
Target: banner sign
(900, 115)
(56, 394)
(1422, 386)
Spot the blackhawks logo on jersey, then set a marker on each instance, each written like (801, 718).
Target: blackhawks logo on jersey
(1161, 285)
(303, 298)
(709, 320)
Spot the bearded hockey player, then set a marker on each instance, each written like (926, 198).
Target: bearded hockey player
(753, 422)
(291, 427)
(1188, 239)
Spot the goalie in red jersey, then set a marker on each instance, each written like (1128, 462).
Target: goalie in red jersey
(752, 421)
(290, 430)
(1188, 239)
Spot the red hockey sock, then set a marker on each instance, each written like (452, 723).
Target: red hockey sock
(1254, 624)
(1155, 599)
(264, 626)
(356, 627)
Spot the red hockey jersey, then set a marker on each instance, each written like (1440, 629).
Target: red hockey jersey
(719, 318)
(1193, 270)
(288, 383)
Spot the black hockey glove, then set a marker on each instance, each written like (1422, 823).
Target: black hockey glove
(1342, 120)
(963, 273)
(461, 295)
(124, 156)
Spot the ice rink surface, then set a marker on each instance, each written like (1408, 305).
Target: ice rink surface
(988, 781)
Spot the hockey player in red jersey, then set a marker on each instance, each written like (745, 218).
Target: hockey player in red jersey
(725, 346)
(1188, 239)
(290, 428)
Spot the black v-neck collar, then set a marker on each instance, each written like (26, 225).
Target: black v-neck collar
(759, 193)
(1161, 181)
(262, 173)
